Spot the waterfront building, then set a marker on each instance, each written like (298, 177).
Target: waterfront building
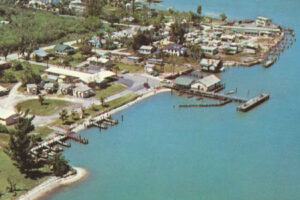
(183, 82)
(263, 21)
(212, 65)
(208, 83)
(7, 117)
(32, 89)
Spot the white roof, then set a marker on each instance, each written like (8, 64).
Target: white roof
(209, 62)
(144, 47)
(4, 114)
(99, 60)
(210, 80)
(2, 88)
(85, 77)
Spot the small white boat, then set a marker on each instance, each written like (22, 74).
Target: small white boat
(269, 62)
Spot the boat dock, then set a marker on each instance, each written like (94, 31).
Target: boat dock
(246, 104)
(251, 103)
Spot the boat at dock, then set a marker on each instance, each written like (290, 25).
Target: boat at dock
(251, 103)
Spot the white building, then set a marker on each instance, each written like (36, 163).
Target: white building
(208, 83)
(209, 50)
(146, 50)
(7, 117)
(210, 64)
(263, 21)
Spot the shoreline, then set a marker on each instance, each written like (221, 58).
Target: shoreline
(81, 127)
(54, 183)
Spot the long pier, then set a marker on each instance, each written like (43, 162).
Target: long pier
(246, 104)
(212, 95)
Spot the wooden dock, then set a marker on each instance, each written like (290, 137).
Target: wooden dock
(251, 103)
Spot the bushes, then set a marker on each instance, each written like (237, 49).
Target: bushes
(3, 129)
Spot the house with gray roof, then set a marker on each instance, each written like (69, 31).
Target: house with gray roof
(63, 49)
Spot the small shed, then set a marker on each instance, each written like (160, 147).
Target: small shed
(49, 88)
(32, 88)
(65, 88)
(63, 49)
(7, 117)
(83, 91)
(183, 82)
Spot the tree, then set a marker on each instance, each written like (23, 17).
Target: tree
(12, 186)
(94, 7)
(223, 16)
(85, 49)
(20, 144)
(60, 165)
(199, 9)
(63, 115)
(30, 76)
(83, 112)
(102, 101)
(100, 35)
(41, 99)
(141, 38)
(177, 32)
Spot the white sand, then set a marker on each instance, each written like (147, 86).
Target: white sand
(54, 183)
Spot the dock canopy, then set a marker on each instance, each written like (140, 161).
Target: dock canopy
(183, 81)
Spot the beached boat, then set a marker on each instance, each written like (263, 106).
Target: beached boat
(269, 62)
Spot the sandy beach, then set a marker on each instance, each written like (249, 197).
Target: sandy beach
(54, 183)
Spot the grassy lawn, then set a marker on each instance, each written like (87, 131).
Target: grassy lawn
(8, 170)
(99, 108)
(112, 89)
(4, 138)
(50, 106)
(130, 67)
(42, 131)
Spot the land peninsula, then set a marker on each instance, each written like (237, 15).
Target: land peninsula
(67, 65)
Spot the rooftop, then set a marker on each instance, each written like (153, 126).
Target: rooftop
(183, 80)
(4, 113)
(210, 80)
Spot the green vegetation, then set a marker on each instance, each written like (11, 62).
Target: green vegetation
(31, 28)
(93, 109)
(113, 88)
(130, 67)
(49, 107)
(60, 165)
(23, 183)
(42, 131)
(27, 73)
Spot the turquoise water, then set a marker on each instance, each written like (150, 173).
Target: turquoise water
(162, 153)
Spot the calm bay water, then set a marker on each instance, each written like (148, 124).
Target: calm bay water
(160, 152)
